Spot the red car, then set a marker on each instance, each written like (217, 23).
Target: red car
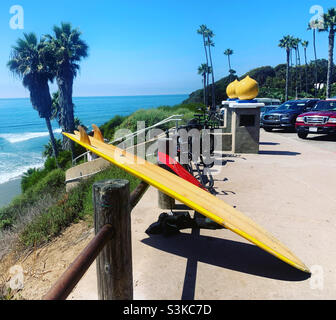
(321, 119)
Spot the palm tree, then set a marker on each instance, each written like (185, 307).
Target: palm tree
(299, 42)
(329, 24)
(228, 53)
(287, 43)
(203, 31)
(305, 45)
(203, 70)
(210, 43)
(68, 50)
(30, 61)
(295, 46)
(314, 25)
(48, 148)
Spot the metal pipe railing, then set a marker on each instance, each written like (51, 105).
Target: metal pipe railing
(67, 282)
(74, 161)
(175, 118)
(131, 135)
(70, 278)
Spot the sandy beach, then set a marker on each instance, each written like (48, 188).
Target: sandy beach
(9, 190)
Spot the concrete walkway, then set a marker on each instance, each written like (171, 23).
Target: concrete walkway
(289, 189)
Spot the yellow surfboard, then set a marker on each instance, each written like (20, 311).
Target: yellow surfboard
(189, 194)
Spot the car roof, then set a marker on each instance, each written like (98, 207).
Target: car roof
(302, 100)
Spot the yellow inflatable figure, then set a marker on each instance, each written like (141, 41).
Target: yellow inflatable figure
(247, 89)
(231, 90)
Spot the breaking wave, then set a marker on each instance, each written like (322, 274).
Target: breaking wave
(20, 137)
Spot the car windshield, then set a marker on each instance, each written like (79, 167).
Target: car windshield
(325, 106)
(265, 109)
(291, 106)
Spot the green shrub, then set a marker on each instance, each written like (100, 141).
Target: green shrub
(65, 159)
(50, 164)
(150, 117)
(76, 205)
(48, 150)
(108, 129)
(53, 184)
(54, 181)
(31, 177)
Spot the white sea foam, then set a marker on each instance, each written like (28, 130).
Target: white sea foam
(18, 172)
(12, 165)
(20, 137)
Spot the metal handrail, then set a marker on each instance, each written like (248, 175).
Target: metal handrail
(82, 177)
(175, 118)
(74, 161)
(131, 135)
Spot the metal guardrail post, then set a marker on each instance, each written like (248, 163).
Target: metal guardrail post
(114, 264)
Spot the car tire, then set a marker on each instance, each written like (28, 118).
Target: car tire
(302, 135)
(268, 129)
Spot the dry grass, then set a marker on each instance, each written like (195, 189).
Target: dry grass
(9, 238)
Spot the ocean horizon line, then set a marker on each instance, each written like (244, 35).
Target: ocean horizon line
(115, 96)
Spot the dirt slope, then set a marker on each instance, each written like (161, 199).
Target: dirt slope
(42, 267)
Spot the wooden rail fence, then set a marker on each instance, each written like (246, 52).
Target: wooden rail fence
(111, 247)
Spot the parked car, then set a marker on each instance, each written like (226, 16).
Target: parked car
(266, 109)
(268, 101)
(284, 117)
(321, 119)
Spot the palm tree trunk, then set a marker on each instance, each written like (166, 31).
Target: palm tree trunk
(208, 77)
(315, 55)
(300, 76)
(330, 61)
(65, 84)
(306, 69)
(296, 74)
(213, 81)
(230, 67)
(204, 90)
(207, 63)
(291, 74)
(287, 74)
(52, 139)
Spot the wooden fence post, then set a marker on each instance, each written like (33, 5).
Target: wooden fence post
(111, 200)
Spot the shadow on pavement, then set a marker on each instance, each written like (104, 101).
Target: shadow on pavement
(322, 138)
(279, 153)
(226, 254)
(269, 143)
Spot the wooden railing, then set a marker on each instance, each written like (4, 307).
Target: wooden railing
(111, 246)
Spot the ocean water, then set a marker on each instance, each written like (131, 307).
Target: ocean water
(23, 134)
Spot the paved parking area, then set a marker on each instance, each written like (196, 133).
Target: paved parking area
(321, 141)
(289, 189)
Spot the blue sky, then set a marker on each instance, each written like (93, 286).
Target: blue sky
(141, 47)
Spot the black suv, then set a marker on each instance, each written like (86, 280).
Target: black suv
(284, 117)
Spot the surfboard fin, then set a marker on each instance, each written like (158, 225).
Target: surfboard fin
(97, 133)
(84, 136)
